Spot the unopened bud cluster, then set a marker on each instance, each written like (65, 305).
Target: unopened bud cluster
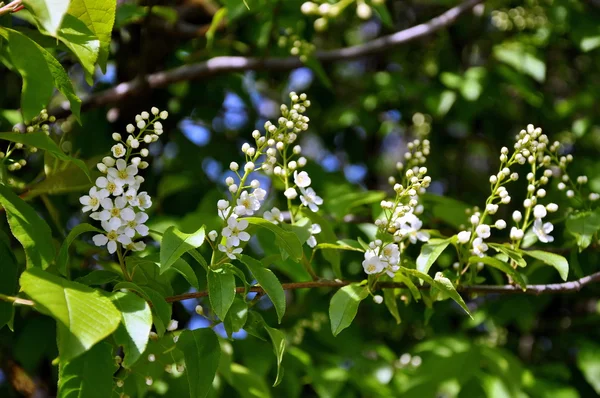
(327, 11)
(296, 45)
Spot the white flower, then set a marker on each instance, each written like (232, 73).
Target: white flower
(110, 240)
(290, 193)
(409, 225)
(234, 231)
(92, 201)
(516, 233)
(118, 150)
(246, 204)
(517, 216)
(539, 211)
(479, 247)
(464, 236)
(310, 199)
(230, 250)
(136, 225)
(131, 196)
(274, 215)
(259, 194)
(144, 200)
(483, 231)
(123, 174)
(542, 230)
(112, 187)
(302, 179)
(390, 254)
(115, 213)
(314, 230)
(372, 264)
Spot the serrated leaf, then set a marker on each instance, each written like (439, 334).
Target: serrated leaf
(506, 268)
(98, 277)
(86, 316)
(202, 353)
(30, 229)
(221, 291)
(41, 73)
(236, 316)
(445, 285)
(583, 226)
(99, 17)
(49, 13)
(62, 260)
(389, 298)
(269, 282)
(175, 243)
(344, 306)
(430, 253)
(278, 339)
(184, 269)
(8, 281)
(89, 375)
(511, 253)
(134, 331)
(286, 240)
(161, 310)
(557, 261)
(82, 42)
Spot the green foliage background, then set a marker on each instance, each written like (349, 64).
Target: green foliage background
(473, 86)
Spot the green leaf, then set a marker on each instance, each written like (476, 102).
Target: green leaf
(175, 243)
(85, 315)
(513, 254)
(99, 17)
(338, 246)
(588, 361)
(221, 291)
(236, 316)
(286, 240)
(30, 229)
(82, 42)
(214, 25)
(269, 282)
(342, 204)
(344, 306)
(184, 269)
(278, 339)
(384, 14)
(313, 63)
(8, 281)
(89, 375)
(557, 261)
(134, 331)
(41, 73)
(445, 285)
(41, 141)
(62, 261)
(583, 226)
(49, 13)
(389, 298)
(441, 283)
(430, 252)
(98, 277)
(522, 59)
(506, 268)
(202, 353)
(161, 310)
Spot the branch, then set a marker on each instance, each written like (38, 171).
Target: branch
(535, 290)
(227, 64)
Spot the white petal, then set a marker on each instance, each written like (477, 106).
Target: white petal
(100, 240)
(102, 182)
(128, 214)
(121, 164)
(112, 246)
(142, 229)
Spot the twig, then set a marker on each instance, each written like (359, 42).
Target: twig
(228, 64)
(553, 288)
(13, 6)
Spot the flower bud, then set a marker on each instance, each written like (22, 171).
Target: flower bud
(517, 216)
(233, 166)
(116, 136)
(500, 224)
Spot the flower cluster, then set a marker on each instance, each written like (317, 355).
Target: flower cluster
(532, 148)
(273, 149)
(116, 199)
(399, 221)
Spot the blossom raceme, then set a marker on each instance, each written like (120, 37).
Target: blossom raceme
(116, 200)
